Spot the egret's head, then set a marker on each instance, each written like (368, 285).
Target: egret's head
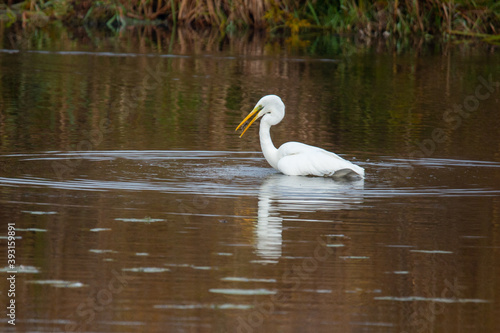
(271, 105)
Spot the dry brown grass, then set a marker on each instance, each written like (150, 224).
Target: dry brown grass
(369, 18)
(199, 13)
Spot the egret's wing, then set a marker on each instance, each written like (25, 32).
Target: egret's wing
(298, 159)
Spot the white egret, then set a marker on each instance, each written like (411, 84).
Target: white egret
(295, 158)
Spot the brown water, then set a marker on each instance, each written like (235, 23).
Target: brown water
(137, 207)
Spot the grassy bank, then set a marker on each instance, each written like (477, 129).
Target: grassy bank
(400, 18)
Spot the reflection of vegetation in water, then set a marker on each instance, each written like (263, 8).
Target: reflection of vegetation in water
(357, 95)
(368, 18)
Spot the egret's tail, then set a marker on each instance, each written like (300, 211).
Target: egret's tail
(349, 174)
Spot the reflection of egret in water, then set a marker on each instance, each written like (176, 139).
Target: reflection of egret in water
(297, 194)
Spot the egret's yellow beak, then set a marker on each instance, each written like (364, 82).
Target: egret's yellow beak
(254, 112)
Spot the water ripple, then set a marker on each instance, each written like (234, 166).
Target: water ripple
(232, 173)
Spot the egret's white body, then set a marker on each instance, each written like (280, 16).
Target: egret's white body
(295, 158)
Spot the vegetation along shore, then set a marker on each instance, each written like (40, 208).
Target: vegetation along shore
(399, 18)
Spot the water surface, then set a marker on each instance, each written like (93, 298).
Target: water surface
(138, 208)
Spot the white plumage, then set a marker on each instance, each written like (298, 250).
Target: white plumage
(295, 158)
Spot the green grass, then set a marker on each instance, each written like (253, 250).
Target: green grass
(399, 18)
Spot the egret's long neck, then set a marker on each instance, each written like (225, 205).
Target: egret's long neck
(270, 152)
